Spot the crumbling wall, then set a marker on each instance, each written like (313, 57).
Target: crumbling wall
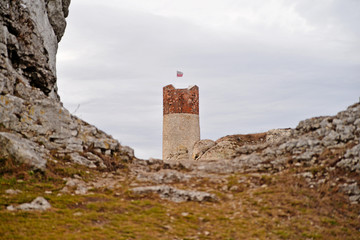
(181, 128)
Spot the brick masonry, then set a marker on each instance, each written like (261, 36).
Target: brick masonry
(181, 100)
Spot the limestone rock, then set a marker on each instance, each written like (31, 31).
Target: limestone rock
(57, 11)
(174, 194)
(222, 150)
(251, 161)
(31, 43)
(323, 144)
(353, 191)
(243, 163)
(216, 166)
(38, 204)
(12, 191)
(22, 150)
(126, 151)
(201, 147)
(309, 124)
(181, 154)
(301, 146)
(76, 158)
(29, 105)
(307, 175)
(232, 146)
(276, 135)
(78, 185)
(164, 176)
(332, 138)
(351, 159)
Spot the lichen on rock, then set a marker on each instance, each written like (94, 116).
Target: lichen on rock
(38, 126)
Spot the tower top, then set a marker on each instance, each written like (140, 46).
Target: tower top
(183, 100)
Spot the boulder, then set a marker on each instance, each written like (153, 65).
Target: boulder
(38, 204)
(222, 150)
(351, 160)
(201, 147)
(12, 191)
(78, 185)
(22, 150)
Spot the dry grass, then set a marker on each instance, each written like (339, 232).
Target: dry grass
(252, 206)
(242, 139)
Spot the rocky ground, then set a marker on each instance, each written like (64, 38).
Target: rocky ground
(62, 178)
(298, 183)
(328, 144)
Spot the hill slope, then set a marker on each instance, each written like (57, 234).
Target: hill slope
(303, 185)
(61, 178)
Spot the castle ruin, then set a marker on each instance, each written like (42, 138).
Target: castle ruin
(181, 127)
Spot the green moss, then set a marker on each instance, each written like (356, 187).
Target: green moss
(312, 235)
(69, 171)
(232, 181)
(329, 221)
(266, 179)
(283, 234)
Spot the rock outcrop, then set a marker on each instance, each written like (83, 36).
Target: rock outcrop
(38, 204)
(327, 143)
(34, 126)
(23, 150)
(322, 150)
(174, 194)
(306, 145)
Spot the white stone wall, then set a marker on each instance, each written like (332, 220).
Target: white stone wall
(180, 132)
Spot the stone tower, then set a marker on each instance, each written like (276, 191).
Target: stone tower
(181, 128)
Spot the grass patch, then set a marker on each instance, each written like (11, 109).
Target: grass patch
(284, 209)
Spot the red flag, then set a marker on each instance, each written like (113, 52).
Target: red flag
(179, 74)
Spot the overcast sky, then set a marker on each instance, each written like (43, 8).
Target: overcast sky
(259, 64)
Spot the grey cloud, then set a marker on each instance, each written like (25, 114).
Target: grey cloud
(248, 82)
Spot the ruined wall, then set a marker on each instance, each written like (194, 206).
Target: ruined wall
(181, 128)
(181, 100)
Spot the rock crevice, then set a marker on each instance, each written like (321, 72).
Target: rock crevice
(30, 109)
